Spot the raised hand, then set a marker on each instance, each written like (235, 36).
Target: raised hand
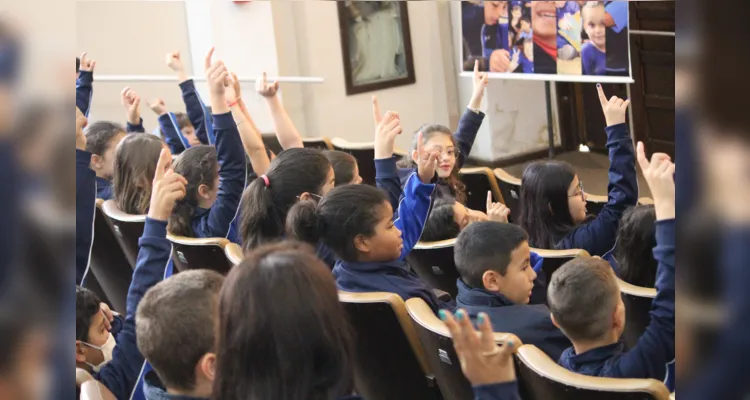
(614, 108)
(81, 123)
(168, 187)
(233, 92)
(174, 62)
(264, 88)
(109, 316)
(386, 130)
(482, 360)
(132, 103)
(158, 106)
(427, 162)
(87, 64)
(217, 76)
(496, 212)
(659, 174)
(481, 79)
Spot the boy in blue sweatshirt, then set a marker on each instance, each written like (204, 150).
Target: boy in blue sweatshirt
(587, 306)
(498, 274)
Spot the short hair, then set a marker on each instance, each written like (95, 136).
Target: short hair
(87, 305)
(441, 223)
(99, 134)
(582, 296)
(484, 246)
(182, 120)
(636, 239)
(343, 166)
(175, 324)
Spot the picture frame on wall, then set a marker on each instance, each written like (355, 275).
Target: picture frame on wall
(376, 45)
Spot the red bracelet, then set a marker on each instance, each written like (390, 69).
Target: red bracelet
(235, 103)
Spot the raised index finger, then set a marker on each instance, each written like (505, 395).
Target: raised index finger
(476, 67)
(489, 199)
(376, 115)
(602, 98)
(209, 55)
(642, 160)
(161, 166)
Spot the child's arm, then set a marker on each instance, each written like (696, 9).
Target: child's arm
(286, 132)
(248, 132)
(386, 171)
(121, 374)
(169, 128)
(132, 103)
(85, 200)
(472, 119)
(197, 112)
(84, 87)
(598, 236)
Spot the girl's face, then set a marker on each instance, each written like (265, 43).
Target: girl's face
(104, 164)
(208, 194)
(386, 243)
(330, 182)
(516, 12)
(357, 179)
(577, 201)
(544, 19)
(593, 24)
(192, 138)
(442, 143)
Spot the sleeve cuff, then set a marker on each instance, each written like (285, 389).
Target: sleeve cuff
(476, 112)
(665, 232)
(164, 119)
(386, 168)
(135, 128)
(187, 86)
(83, 157)
(469, 113)
(85, 76)
(155, 228)
(224, 121)
(617, 132)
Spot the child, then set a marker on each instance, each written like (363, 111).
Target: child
(197, 124)
(544, 26)
(344, 167)
(102, 139)
(85, 200)
(586, 304)
(178, 139)
(498, 273)
(553, 203)
(633, 260)
(594, 51)
(117, 364)
(448, 218)
(136, 158)
(84, 88)
(175, 331)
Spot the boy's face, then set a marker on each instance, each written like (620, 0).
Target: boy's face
(525, 26)
(98, 335)
(519, 278)
(385, 244)
(544, 19)
(593, 24)
(189, 133)
(494, 10)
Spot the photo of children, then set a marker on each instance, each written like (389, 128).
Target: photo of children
(485, 35)
(521, 37)
(544, 26)
(617, 37)
(568, 37)
(594, 49)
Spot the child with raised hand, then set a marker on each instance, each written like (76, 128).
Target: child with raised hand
(176, 129)
(198, 115)
(84, 87)
(85, 199)
(553, 203)
(586, 304)
(215, 175)
(136, 158)
(286, 132)
(132, 103)
(118, 364)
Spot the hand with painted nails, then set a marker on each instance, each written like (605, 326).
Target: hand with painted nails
(614, 109)
(482, 360)
(496, 212)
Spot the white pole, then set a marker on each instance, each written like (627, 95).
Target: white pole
(169, 78)
(651, 33)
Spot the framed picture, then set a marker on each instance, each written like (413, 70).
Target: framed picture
(375, 44)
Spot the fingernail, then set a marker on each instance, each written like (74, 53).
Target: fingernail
(510, 343)
(480, 319)
(598, 85)
(459, 315)
(442, 315)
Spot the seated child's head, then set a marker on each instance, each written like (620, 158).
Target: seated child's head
(135, 164)
(187, 129)
(439, 138)
(447, 218)
(94, 342)
(496, 257)
(354, 221)
(102, 139)
(294, 175)
(585, 301)
(593, 15)
(636, 239)
(175, 324)
(344, 167)
(282, 332)
(516, 11)
(199, 165)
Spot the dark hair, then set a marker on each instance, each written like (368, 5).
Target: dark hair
(182, 120)
(78, 64)
(282, 333)
(636, 239)
(199, 166)
(343, 165)
(175, 324)
(135, 166)
(544, 202)
(484, 246)
(441, 223)
(87, 305)
(582, 295)
(264, 209)
(100, 134)
(344, 213)
(457, 188)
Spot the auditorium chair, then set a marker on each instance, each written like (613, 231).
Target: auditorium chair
(637, 301)
(321, 143)
(199, 253)
(541, 378)
(364, 153)
(554, 259)
(646, 201)
(510, 188)
(391, 364)
(234, 254)
(594, 203)
(127, 228)
(433, 263)
(441, 355)
(479, 181)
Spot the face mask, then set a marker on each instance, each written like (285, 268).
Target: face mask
(107, 348)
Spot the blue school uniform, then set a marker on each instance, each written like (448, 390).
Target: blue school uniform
(526, 65)
(171, 133)
(84, 91)
(599, 236)
(654, 351)
(104, 189)
(494, 37)
(85, 207)
(593, 60)
(197, 113)
(216, 221)
(121, 374)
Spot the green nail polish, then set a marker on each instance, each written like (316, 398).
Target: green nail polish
(510, 343)
(441, 313)
(480, 319)
(459, 315)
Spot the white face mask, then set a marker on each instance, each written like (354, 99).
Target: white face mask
(107, 348)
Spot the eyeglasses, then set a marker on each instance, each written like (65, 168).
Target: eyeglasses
(580, 191)
(452, 152)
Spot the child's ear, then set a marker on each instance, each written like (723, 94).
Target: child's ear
(361, 244)
(96, 161)
(414, 156)
(490, 281)
(80, 354)
(207, 366)
(204, 191)
(554, 321)
(305, 196)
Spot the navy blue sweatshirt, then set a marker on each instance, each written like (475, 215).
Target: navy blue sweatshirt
(172, 134)
(197, 112)
(599, 236)
(85, 207)
(215, 222)
(650, 357)
(84, 91)
(121, 374)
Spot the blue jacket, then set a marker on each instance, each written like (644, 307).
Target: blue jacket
(134, 128)
(468, 127)
(654, 351)
(599, 236)
(84, 91)
(121, 374)
(104, 189)
(171, 133)
(395, 276)
(85, 208)
(215, 222)
(197, 113)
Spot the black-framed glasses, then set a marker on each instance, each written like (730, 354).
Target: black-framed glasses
(452, 152)
(580, 191)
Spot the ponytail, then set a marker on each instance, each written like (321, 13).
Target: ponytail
(303, 222)
(259, 224)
